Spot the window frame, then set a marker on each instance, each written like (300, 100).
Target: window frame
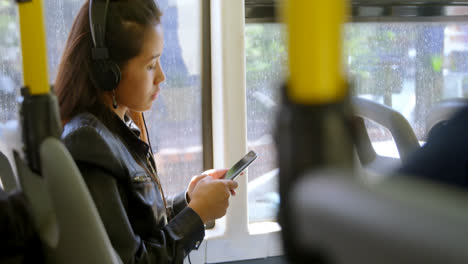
(233, 238)
(374, 10)
(206, 87)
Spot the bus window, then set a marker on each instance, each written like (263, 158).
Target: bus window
(11, 79)
(59, 15)
(11, 71)
(407, 66)
(174, 122)
(265, 61)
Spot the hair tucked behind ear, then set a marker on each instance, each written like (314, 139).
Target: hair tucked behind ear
(126, 23)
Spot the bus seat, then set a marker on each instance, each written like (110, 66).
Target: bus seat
(10, 139)
(36, 191)
(338, 219)
(398, 126)
(7, 175)
(440, 113)
(65, 215)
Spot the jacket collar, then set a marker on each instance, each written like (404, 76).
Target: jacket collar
(130, 134)
(127, 130)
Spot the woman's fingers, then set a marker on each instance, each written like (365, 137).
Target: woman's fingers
(193, 182)
(216, 173)
(230, 185)
(197, 178)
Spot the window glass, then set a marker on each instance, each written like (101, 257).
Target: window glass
(59, 17)
(11, 71)
(265, 60)
(408, 66)
(174, 123)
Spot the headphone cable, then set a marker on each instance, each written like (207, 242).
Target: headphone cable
(147, 134)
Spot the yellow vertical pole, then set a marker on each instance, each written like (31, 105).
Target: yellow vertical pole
(314, 124)
(33, 45)
(315, 37)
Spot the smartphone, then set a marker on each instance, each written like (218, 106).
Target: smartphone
(241, 165)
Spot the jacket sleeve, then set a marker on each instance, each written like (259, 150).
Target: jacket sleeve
(177, 203)
(167, 244)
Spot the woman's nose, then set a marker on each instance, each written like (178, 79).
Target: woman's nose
(160, 76)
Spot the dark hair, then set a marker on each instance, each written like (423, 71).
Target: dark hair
(127, 21)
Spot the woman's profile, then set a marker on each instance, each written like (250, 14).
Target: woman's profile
(111, 66)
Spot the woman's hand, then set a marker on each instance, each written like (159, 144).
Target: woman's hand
(192, 184)
(210, 197)
(214, 173)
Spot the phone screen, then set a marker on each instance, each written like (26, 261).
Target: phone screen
(241, 165)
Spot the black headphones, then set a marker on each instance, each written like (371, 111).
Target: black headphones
(106, 72)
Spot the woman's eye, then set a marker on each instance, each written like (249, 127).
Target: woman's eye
(151, 67)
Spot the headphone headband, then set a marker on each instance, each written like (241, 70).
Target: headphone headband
(106, 73)
(97, 21)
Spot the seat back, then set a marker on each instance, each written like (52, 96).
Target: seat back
(7, 175)
(341, 219)
(402, 133)
(10, 139)
(64, 212)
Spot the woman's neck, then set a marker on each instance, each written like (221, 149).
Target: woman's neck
(119, 111)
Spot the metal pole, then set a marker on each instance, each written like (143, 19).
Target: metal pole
(314, 129)
(39, 109)
(33, 46)
(315, 30)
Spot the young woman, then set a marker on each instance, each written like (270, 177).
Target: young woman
(117, 166)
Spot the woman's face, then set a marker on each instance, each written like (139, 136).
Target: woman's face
(142, 74)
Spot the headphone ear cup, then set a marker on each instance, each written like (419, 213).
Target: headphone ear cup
(116, 74)
(107, 74)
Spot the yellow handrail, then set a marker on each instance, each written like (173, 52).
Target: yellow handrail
(33, 45)
(315, 39)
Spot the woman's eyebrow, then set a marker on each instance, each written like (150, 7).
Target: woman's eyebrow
(154, 57)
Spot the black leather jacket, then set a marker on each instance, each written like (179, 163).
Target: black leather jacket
(128, 200)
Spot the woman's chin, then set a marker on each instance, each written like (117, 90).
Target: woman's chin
(143, 108)
(150, 106)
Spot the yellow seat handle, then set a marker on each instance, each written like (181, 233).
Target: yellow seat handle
(33, 46)
(314, 43)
